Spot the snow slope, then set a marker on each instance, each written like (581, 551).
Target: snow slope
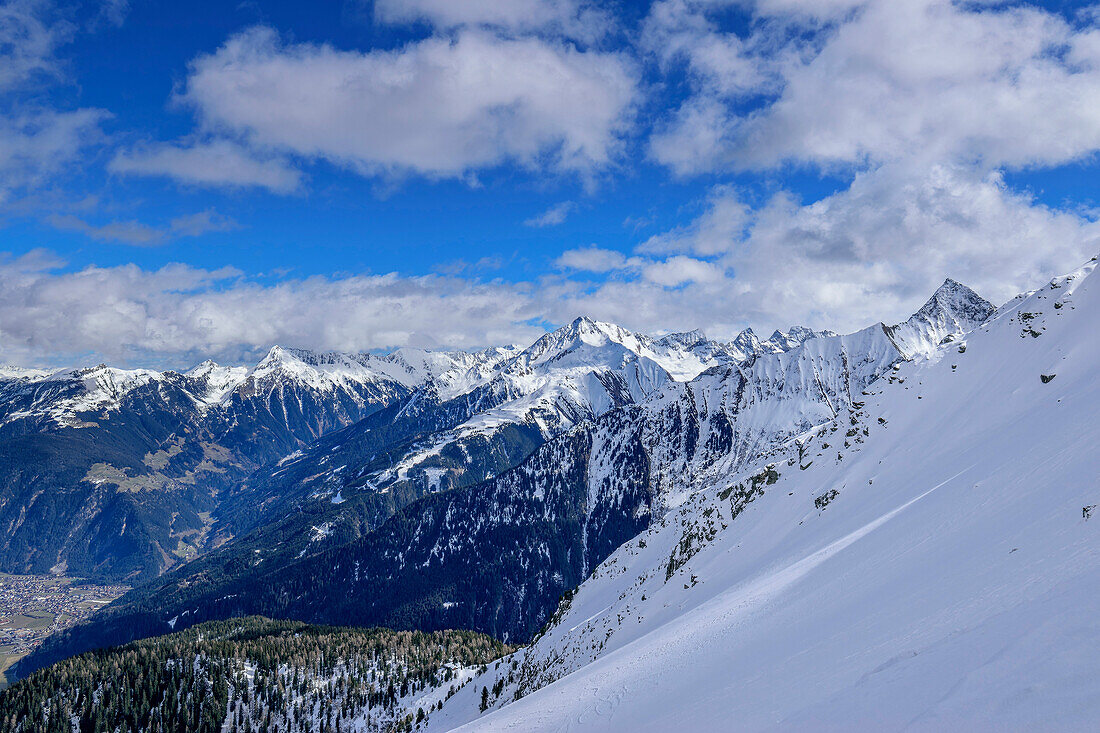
(920, 562)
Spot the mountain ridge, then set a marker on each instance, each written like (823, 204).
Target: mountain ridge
(633, 463)
(914, 563)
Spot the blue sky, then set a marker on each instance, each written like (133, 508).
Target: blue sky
(183, 180)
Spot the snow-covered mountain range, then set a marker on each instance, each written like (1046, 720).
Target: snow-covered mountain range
(66, 396)
(888, 529)
(496, 554)
(135, 445)
(922, 560)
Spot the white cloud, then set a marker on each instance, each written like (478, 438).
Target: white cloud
(724, 221)
(931, 80)
(722, 64)
(211, 163)
(819, 10)
(591, 259)
(876, 250)
(568, 17)
(553, 216)
(887, 240)
(194, 225)
(179, 313)
(924, 101)
(37, 144)
(143, 235)
(873, 252)
(678, 270)
(438, 107)
(112, 12)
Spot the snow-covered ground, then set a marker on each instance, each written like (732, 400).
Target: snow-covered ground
(921, 562)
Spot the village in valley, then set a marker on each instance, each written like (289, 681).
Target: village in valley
(34, 606)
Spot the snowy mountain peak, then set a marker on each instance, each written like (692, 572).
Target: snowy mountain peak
(93, 388)
(274, 354)
(953, 299)
(320, 371)
(952, 310)
(111, 379)
(214, 382)
(449, 372)
(285, 355)
(202, 369)
(746, 343)
(580, 332)
(792, 338)
(684, 340)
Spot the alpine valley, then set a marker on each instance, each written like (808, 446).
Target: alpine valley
(877, 530)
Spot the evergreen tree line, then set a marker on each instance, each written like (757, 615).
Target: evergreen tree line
(248, 675)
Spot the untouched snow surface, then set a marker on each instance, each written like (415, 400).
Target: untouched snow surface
(920, 563)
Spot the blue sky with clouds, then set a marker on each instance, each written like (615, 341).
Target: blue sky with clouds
(180, 180)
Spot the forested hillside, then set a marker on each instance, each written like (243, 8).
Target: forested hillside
(251, 674)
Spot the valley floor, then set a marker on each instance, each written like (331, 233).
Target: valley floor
(34, 606)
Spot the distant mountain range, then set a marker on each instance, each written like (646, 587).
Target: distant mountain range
(475, 493)
(122, 474)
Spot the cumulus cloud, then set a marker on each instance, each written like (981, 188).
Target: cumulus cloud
(143, 235)
(872, 252)
(178, 315)
(893, 235)
(592, 259)
(553, 216)
(892, 80)
(177, 312)
(877, 249)
(681, 269)
(440, 107)
(720, 63)
(724, 221)
(210, 163)
(923, 102)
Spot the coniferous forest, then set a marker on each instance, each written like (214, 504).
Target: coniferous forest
(251, 674)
